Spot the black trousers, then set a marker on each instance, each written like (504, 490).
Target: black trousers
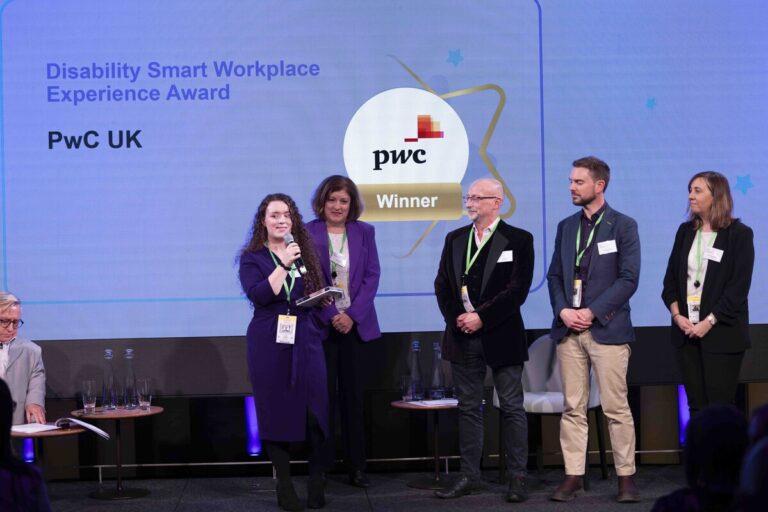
(709, 378)
(280, 451)
(346, 391)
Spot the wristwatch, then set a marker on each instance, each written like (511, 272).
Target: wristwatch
(712, 319)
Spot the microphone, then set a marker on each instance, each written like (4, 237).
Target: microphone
(299, 262)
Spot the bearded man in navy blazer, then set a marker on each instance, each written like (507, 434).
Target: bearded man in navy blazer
(484, 277)
(594, 271)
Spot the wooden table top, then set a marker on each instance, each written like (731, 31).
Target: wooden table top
(117, 414)
(59, 432)
(401, 404)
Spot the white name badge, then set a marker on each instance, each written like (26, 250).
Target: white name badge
(468, 307)
(607, 247)
(713, 254)
(286, 329)
(694, 308)
(577, 289)
(506, 257)
(339, 259)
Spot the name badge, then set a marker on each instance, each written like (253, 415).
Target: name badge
(577, 288)
(607, 247)
(468, 307)
(339, 259)
(286, 329)
(506, 257)
(713, 254)
(694, 308)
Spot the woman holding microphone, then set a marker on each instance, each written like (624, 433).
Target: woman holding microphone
(706, 288)
(284, 344)
(349, 259)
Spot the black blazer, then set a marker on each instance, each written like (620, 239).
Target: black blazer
(726, 287)
(504, 289)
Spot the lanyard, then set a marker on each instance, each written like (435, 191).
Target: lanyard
(699, 259)
(288, 289)
(470, 260)
(331, 251)
(580, 255)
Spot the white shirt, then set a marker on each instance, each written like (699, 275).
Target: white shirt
(4, 349)
(486, 232)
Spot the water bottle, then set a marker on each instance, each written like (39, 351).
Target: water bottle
(437, 385)
(415, 389)
(130, 398)
(108, 398)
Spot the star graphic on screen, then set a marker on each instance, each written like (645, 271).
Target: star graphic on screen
(743, 183)
(454, 57)
(650, 104)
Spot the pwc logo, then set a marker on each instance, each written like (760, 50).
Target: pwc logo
(426, 129)
(402, 176)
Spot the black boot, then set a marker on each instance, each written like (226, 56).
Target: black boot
(286, 496)
(315, 491)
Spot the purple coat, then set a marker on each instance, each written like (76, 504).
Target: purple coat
(364, 272)
(287, 379)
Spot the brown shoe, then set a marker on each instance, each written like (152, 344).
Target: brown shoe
(628, 492)
(569, 489)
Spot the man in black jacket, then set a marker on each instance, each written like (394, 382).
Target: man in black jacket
(484, 277)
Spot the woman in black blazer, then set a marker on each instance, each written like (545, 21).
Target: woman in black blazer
(706, 288)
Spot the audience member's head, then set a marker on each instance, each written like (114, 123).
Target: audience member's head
(753, 489)
(715, 443)
(758, 425)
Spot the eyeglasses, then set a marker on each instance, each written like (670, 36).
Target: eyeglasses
(5, 323)
(475, 199)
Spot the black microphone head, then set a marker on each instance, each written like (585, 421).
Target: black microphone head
(288, 238)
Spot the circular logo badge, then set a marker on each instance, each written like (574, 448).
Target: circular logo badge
(407, 150)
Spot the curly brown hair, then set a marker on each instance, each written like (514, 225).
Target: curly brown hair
(258, 239)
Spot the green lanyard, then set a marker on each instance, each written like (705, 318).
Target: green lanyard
(699, 259)
(288, 289)
(331, 251)
(470, 260)
(580, 255)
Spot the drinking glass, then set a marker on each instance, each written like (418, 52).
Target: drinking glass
(144, 390)
(89, 396)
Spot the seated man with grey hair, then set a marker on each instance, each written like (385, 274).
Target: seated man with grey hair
(21, 364)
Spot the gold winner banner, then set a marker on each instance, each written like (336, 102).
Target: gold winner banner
(411, 201)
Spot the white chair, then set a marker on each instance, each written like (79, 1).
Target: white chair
(543, 395)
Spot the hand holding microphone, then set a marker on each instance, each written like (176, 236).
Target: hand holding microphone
(295, 253)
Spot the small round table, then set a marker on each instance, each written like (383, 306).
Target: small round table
(117, 415)
(39, 436)
(435, 482)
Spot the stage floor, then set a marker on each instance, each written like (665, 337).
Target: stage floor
(388, 492)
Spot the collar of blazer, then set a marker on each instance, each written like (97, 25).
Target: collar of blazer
(710, 276)
(568, 246)
(495, 247)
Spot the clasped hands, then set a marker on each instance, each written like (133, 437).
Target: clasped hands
(469, 323)
(577, 320)
(690, 329)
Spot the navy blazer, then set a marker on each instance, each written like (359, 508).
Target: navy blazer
(725, 291)
(364, 272)
(612, 278)
(504, 289)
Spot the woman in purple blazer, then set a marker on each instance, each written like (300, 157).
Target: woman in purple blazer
(284, 349)
(349, 260)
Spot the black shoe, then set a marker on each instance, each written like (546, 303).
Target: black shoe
(460, 487)
(358, 479)
(517, 492)
(316, 492)
(286, 496)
